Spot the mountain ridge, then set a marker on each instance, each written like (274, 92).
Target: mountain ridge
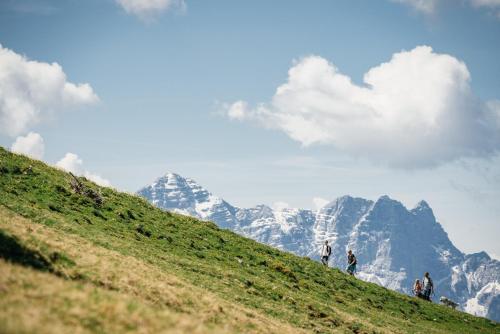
(394, 244)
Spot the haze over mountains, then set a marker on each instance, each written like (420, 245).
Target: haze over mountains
(394, 245)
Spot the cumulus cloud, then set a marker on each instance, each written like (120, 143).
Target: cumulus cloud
(31, 91)
(147, 9)
(237, 110)
(31, 145)
(72, 163)
(416, 110)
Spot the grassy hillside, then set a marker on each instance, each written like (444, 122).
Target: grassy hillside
(69, 264)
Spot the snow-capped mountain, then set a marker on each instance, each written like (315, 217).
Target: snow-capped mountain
(394, 245)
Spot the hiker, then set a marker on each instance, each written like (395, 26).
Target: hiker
(326, 251)
(417, 289)
(351, 263)
(428, 286)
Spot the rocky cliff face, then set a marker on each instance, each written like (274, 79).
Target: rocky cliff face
(394, 245)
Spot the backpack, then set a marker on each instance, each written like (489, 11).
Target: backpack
(329, 250)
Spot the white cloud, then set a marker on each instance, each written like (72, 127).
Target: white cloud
(319, 202)
(31, 145)
(97, 179)
(31, 91)
(417, 110)
(147, 9)
(237, 110)
(72, 163)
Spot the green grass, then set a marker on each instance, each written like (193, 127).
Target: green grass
(269, 285)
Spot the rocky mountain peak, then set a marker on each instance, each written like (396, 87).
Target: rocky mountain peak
(423, 210)
(394, 245)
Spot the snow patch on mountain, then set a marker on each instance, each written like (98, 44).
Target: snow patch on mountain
(479, 305)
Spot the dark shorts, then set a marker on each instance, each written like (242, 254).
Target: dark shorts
(351, 268)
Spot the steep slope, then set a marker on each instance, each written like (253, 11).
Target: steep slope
(79, 286)
(71, 263)
(394, 245)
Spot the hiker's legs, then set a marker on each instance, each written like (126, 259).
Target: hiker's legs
(324, 260)
(351, 269)
(427, 294)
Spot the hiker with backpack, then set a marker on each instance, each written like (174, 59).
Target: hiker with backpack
(428, 286)
(326, 251)
(351, 263)
(417, 289)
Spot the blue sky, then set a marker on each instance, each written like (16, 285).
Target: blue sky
(162, 81)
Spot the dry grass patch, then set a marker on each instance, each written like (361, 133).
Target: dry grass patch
(87, 272)
(37, 302)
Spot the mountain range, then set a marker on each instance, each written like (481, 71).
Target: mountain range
(394, 245)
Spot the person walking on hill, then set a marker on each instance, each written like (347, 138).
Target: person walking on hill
(351, 263)
(417, 289)
(326, 251)
(428, 286)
